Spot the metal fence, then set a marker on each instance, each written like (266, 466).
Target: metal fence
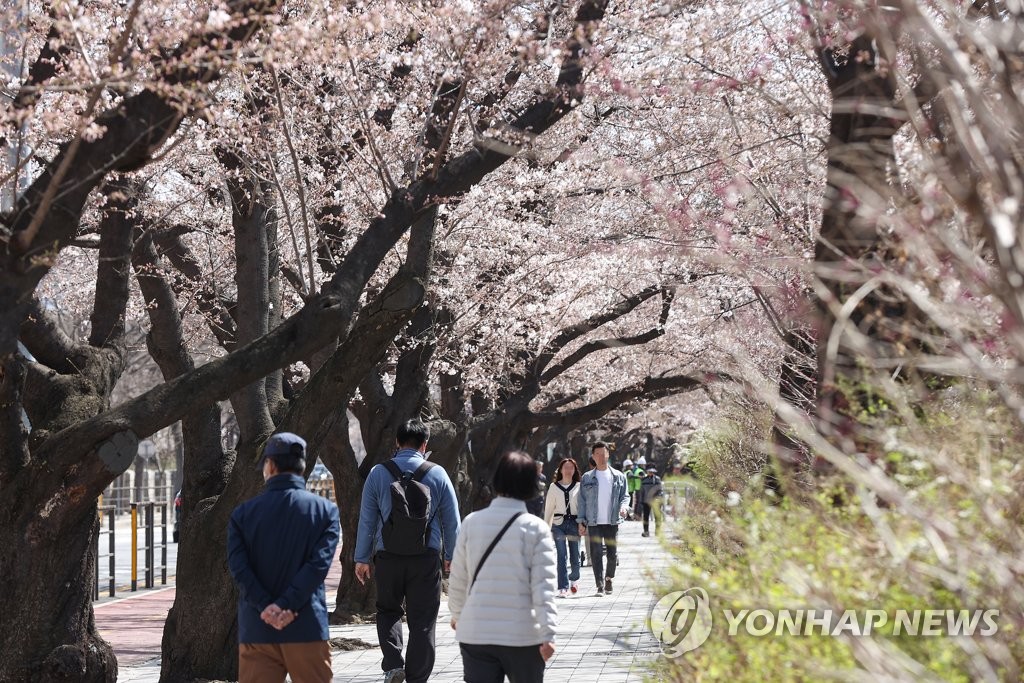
(132, 549)
(147, 522)
(123, 492)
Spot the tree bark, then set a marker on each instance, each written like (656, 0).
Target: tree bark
(51, 635)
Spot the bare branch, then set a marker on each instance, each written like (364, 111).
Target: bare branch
(299, 181)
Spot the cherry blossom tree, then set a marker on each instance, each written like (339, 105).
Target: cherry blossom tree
(154, 78)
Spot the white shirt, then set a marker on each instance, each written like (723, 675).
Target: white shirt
(604, 496)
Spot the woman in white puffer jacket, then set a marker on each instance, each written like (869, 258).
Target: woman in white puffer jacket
(503, 601)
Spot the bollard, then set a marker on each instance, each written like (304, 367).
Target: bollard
(135, 547)
(149, 545)
(110, 549)
(163, 544)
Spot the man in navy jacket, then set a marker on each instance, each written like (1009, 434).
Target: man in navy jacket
(280, 547)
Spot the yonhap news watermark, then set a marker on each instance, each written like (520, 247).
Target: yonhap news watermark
(683, 620)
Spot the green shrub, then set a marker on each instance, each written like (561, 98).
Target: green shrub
(950, 540)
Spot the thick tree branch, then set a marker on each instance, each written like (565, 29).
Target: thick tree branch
(569, 334)
(650, 389)
(252, 212)
(53, 348)
(441, 124)
(331, 387)
(667, 294)
(114, 267)
(165, 339)
(463, 172)
(43, 69)
(132, 132)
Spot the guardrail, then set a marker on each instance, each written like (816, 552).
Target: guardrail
(144, 527)
(132, 546)
(147, 518)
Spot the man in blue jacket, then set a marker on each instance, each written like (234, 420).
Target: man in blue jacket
(280, 547)
(604, 501)
(405, 546)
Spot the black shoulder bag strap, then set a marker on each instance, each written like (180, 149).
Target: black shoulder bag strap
(567, 491)
(487, 553)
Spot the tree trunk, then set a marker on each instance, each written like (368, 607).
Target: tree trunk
(50, 633)
(200, 636)
(353, 598)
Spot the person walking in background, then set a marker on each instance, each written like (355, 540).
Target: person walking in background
(651, 493)
(604, 502)
(561, 509)
(634, 476)
(409, 513)
(501, 592)
(280, 546)
(535, 506)
(632, 485)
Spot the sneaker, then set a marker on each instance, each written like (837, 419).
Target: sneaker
(608, 586)
(395, 676)
(562, 592)
(574, 587)
(644, 534)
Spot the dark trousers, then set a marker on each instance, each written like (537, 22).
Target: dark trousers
(491, 663)
(647, 517)
(602, 534)
(416, 579)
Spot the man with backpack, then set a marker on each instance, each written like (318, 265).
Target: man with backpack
(409, 514)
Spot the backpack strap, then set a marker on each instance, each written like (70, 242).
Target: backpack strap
(393, 469)
(418, 475)
(421, 471)
(487, 553)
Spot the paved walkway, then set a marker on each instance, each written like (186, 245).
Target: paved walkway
(599, 638)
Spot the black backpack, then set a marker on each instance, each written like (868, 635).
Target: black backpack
(406, 531)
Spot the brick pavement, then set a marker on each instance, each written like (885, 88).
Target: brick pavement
(599, 638)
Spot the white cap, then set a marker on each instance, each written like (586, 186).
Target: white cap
(641, 461)
(627, 462)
